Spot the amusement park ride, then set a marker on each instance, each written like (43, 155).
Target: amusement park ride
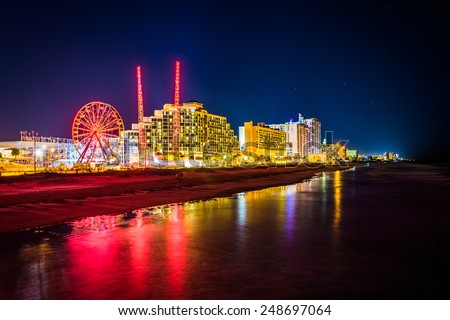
(176, 112)
(96, 131)
(141, 137)
(97, 128)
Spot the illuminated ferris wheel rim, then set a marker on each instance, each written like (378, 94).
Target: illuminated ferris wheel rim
(94, 126)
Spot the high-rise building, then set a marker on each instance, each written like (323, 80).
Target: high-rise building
(262, 140)
(301, 119)
(303, 136)
(297, 137)
(201, 134)
(314, 144)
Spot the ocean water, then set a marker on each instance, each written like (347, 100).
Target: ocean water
(374, 232)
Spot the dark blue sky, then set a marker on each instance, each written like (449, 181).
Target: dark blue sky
(374, 72)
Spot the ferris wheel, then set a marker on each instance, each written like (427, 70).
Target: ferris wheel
(96, 131)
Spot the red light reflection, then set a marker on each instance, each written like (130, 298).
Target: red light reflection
(176, 252)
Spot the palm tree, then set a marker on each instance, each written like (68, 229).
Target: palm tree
(15, 152)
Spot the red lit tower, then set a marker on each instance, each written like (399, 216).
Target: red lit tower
(177, 84)
(176, 113)
(141, 127)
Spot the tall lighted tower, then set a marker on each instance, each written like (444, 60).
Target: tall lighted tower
(176, 100)
(141, 127)
(176, 113)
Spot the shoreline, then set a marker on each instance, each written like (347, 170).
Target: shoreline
(38, 201)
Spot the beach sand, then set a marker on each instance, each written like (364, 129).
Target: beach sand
(45, 199)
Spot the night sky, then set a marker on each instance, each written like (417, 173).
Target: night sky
(374, 72)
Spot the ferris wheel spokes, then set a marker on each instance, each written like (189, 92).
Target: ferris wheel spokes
(95, 132)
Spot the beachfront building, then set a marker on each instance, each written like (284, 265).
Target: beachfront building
(314, 143)
(352, 154)
(261, 140)
(47, 151)
(342, 151)
(304, 136)
(297, 137)
(334, 152)
(202, 135)
(129, 151)
(37, 151)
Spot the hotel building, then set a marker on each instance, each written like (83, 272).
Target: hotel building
(202, 134)
(303, 137)
(314, 144)
(297, 137)
(262, 140)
